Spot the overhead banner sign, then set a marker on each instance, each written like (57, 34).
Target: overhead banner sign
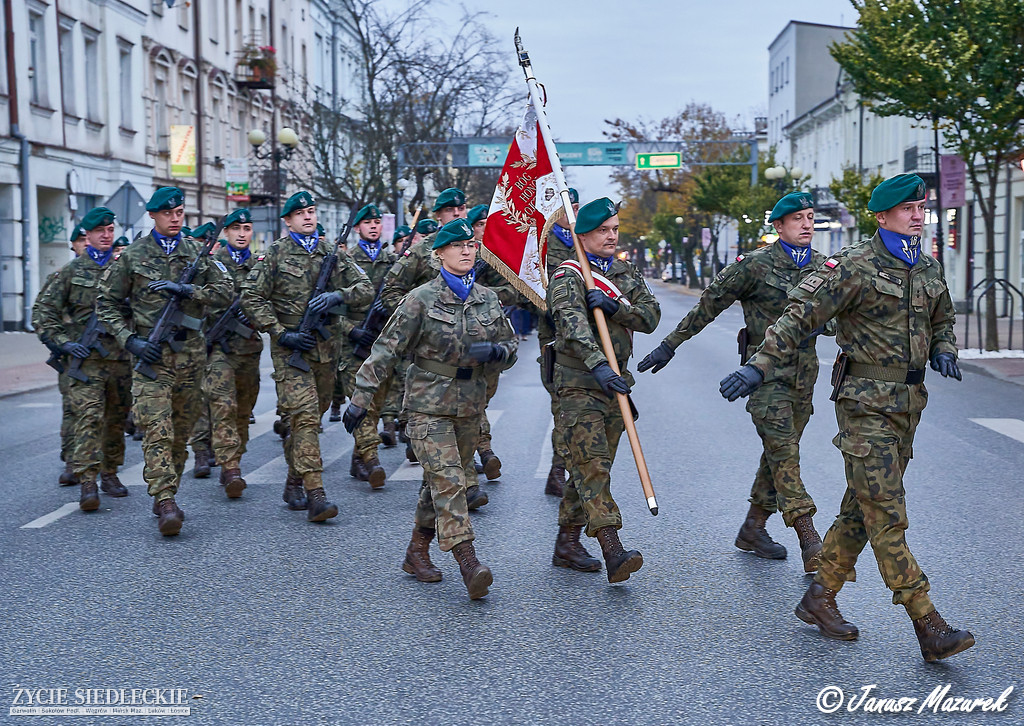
(183, 150)
(236, 179)
(570, 153)
(954, 180)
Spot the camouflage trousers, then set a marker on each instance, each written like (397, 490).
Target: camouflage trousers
(202, 438)
(485, 425)
(304, 397)
(98, 410)
(780, 414)
(166, 408)
(592, 425)
(367, 440)
(67, 421)
(231, 385)
(559, 454)
(444, 446)
(877, 447)
(391, 409)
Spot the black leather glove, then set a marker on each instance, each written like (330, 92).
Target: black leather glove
(325, 301)
(946, 365)
(741, 383)
(657, 358)
(486, 352)
(142, 348)
(352, 417)
(296, 340)
(356, 335)
(242, 317)
(597, 299)
(610, 383)
(180, 289)
(74, 349)
(380, 307)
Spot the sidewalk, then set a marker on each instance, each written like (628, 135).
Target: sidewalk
(23, 364)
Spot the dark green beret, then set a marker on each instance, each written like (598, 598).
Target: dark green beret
(96, 217)
(457, 230)
(792, 202)
(77, 232)
(403, 231)
(574, 196)
(202, 230)
(297, 201)
(186, 231)
(239, 216)
(320, 229)
(896, 190)
(121, 241)
(165, 198)
(427, 226)
(450, 197)
(477, 213)
(592, 214)
(370, 211)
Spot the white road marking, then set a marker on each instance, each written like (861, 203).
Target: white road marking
(52, 516)
(35, 405)
(1012, 427)
(544, 463)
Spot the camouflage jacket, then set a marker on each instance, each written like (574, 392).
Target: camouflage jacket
(238, 273)
(761, 281)
(886, 315)
(64, 305)
(433, 326)
(278, 288)
(375, 270)
(557, 254)
(127, 306)
(417, 266)
(575, 330)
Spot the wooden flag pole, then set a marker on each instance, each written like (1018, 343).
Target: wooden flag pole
(588, 279)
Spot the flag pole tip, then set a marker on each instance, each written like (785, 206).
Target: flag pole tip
(652, 504)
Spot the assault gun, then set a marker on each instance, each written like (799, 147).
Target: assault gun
(91, 340)
(742, 341)
(229, 323)
(172, 319)
(56, 359)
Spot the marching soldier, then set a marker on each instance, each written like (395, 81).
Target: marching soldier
(391, 430)
(275, 296)
(455, 332)
(780, 409)
(98, 373)
(588, 413)
(133, 293)
(893, 316)
(201, 440)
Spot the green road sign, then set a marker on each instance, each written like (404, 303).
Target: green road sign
(659, 160)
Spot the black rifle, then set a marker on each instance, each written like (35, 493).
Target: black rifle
(56, 359)
(316, 322)
(227, 324)
(91, 340)
(172, 319)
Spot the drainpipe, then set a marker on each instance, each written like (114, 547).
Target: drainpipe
(200, 102)
(26, 209)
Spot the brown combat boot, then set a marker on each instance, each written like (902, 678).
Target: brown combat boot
(477, 577)
(111, 485)
(939, 639)
(753, 537)
(375, 473)
(89, 501)
(491, 463)
(818, 607)
(556, 481)
(335, 412)
(620, 563)
(294, 493)
(475, 497)
(570, 552)
(171, 518)
(232, 481)
(319, 510)
(357, 469)
(156, 509)
(67, 477)
(410, 454)
(389, 435)
(417, 556)
(810, 542)
(202, 468)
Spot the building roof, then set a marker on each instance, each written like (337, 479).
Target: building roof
(812, 25)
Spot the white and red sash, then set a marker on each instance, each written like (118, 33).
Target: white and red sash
(601, 282)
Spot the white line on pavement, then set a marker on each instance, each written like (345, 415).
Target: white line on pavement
(52, 516)
(35, 405)
(1012, 427)
(544, 464)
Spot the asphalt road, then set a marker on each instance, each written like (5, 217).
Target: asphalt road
(267, 619)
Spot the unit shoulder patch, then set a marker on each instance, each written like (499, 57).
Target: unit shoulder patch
(812, 282)
(831, 263)
(220, 266)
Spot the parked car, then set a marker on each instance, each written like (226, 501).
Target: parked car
(674, 272)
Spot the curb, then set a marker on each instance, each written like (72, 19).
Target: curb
(33, 389)
(984, 370)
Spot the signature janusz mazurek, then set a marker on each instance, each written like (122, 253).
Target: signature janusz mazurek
(941, 700)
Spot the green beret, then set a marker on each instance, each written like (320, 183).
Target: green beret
(450, 197)
(165, 198)
(320, 229)
(96, 217)
(202, 230)
(477, 213)
(403, 231)
(77, 232)
(896, 190)
(792, 202)
(186, 231)
(427, 226)
(370, 211)
(457, 230)
(239, 216)
(592, 214)
(121, 241)
(574, 196)
(297, 201)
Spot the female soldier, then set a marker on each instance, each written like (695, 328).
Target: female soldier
(454, 333)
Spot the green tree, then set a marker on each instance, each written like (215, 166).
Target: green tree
(853, 192)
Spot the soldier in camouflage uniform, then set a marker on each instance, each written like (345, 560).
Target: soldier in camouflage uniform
(588, 412)
(100, 393)
(275, 296)
(201, 440)
(455, 331)
(232, 380)
(781, 408)
(893, 316)
(391, 430)
(133, 293)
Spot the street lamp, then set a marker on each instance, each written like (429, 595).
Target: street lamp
(401, 185)
(287, 141)
(676, 260)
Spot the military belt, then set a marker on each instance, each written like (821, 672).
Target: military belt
(293, 321)
(890, 375)
(461, 373)
(576, 364)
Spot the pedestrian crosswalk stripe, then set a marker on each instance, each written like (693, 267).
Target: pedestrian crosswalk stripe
(1012, 427)
(52, 516)
(544, 464)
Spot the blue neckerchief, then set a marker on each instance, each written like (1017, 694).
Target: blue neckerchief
(800, 255)
(307, 243)
(168, 243)
(239, 256)
(562, 234)
(100, 258)
(907, 249)
(372, 249)
(601, 263)
(461, 286)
